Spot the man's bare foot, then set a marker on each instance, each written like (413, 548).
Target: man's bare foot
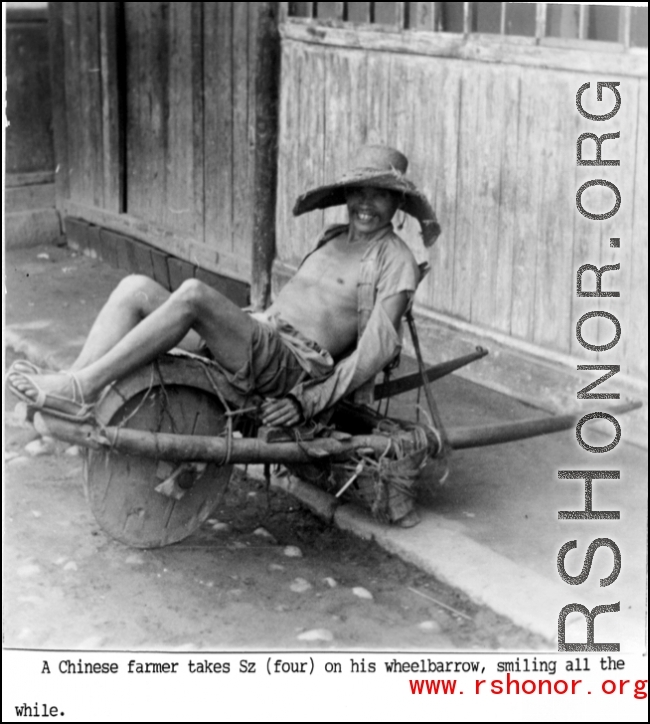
(56, 384)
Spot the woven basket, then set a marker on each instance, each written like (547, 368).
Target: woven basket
(388, 488)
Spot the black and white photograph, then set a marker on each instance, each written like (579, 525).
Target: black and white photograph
(325, 352)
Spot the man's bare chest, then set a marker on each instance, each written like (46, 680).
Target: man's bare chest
(336, 265)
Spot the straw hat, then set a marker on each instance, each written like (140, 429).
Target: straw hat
(381, 167)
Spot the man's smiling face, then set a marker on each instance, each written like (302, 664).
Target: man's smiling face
(369, 208)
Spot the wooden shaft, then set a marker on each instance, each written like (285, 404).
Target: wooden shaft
(340, 11)
(460, 438)
(197, 448)
(435, 372)
(201, 448)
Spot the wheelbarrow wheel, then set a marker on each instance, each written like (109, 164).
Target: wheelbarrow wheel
(171, 395)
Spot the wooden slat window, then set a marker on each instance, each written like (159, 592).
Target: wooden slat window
(326, 11)
(583, 21)
(562, 21)
(359, 12)
(520, 18)
(625, 26)
(452, 17)
(301, 10)
(603, 23)
(386, 14)
(620, 26)
(486, 17)
(541, 18)
(639, 28)
(401, 13)
(468, 17)
(423, 16)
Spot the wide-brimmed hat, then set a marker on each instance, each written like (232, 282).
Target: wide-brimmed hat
(381, 167)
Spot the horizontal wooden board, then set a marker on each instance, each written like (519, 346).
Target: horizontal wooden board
(179, 271)
(484, 48)
(237, 292)
(160, 268)
(111, 243)
(76, 232)
(139, 256)
(127, 253)
(94, 241)
(186, 247)
(24, 198)
(28, 179)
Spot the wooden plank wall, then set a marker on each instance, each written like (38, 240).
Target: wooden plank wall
(157, 124)
(229, 128)
(493, 146)
(83, 101)
(162, 146)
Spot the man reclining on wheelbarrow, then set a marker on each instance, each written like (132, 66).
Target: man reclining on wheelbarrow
(354, 288)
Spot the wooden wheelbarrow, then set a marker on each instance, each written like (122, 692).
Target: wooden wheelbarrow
(165, 439)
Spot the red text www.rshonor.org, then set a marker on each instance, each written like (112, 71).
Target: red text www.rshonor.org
(529, 686)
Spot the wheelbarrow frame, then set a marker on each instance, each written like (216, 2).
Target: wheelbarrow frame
(352, 430)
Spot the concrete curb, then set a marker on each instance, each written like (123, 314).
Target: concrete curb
(486, 577)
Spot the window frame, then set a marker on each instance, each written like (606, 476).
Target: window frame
(541, 50)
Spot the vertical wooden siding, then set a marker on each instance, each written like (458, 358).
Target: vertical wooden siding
(229, 124)
(83, 100)
(172, 146)
(494, 148)
(163, 145)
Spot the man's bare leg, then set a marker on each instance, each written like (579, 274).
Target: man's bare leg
(134, 298)
(194, 306)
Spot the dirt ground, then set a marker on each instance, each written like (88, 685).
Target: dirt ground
(67, 585)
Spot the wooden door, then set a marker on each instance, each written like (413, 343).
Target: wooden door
(155, 123)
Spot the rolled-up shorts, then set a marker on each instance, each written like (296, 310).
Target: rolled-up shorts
(280, 357)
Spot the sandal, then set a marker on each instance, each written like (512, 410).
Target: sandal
(74, 409)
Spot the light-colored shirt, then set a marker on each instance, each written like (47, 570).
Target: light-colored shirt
(388, 267)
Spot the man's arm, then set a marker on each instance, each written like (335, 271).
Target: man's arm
(378, 345)
(395, 307)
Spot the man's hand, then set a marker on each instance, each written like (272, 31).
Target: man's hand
(284, 412)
